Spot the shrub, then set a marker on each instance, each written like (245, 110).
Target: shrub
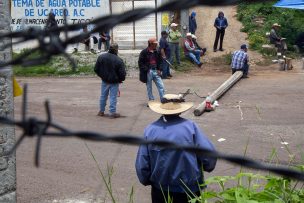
(291, 21)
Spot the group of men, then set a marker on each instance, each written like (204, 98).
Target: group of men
(220, 24)
(173, 173)
(103, 38)
(168, 171)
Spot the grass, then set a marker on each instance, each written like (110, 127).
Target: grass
(59, 66)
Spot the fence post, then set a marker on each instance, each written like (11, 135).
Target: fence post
(7, 133)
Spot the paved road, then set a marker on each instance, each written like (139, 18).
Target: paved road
(271, 107)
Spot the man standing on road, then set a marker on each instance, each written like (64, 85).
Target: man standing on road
(220, 24)
(111, 69)
(165, 54)
(149, 61)
(240, 61)
(174, 37)
(173, 172)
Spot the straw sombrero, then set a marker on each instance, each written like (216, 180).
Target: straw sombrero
(172, 104)
(276, 25)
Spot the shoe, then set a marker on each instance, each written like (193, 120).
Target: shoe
(100, 113)
(221, 49)
(200, 65)
(114, 115)
(93, 51)
(214, 50)
(245, 76)
(75, 50)
(170, 76)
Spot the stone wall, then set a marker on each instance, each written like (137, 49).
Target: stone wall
(7, 133)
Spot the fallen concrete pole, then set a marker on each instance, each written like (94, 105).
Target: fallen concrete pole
(219, 92)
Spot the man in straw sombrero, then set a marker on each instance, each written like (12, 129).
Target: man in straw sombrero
(173, 172)
(275, 38)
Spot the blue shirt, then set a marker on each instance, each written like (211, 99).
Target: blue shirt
(165, 168)
(239, 59)
(163, 44)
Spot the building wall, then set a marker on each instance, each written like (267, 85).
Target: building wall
(34, 13)
(7, 134)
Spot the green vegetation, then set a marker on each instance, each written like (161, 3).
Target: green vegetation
(57, 66)
(252, 188)
(60, 66)
(257, 19)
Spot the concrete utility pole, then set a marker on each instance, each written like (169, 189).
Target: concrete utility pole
(219, 92)
(7, 133)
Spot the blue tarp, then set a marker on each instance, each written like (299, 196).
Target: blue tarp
(296, 4)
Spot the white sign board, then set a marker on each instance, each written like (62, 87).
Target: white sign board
(35, 12)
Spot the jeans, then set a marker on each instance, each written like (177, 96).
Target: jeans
(165, 69)
(152, 75)
(107, 88)
(106, 44)
(174, 48)
(245, 70)
(195, 56)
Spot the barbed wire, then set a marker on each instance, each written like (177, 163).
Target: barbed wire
(32, 126)
(49, 43)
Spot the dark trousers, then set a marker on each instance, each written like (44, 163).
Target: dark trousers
(244, 69)
(158, 196)
(219, 35)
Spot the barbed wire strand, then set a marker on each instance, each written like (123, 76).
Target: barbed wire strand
(50, 45)
(33, 126)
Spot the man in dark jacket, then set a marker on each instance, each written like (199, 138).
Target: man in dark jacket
(165, 54)
(149, 61)
(220, 24)
(192, 23)
(111, 69)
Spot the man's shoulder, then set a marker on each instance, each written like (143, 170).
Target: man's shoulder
(144, 51)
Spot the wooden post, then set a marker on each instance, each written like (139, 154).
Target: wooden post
(219, 92)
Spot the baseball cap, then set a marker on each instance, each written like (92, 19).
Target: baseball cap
(152, 41)
(193, 36)
(189, 34)
(173, 25)
(244, 46)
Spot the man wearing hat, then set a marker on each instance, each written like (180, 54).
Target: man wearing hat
(275, 38)
(174, 37)
(197, 46)
(240, 61)
(191, 52)
(111, 69)
(169, 171)
(149, 63)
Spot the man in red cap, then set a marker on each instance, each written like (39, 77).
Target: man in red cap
(150, 70)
